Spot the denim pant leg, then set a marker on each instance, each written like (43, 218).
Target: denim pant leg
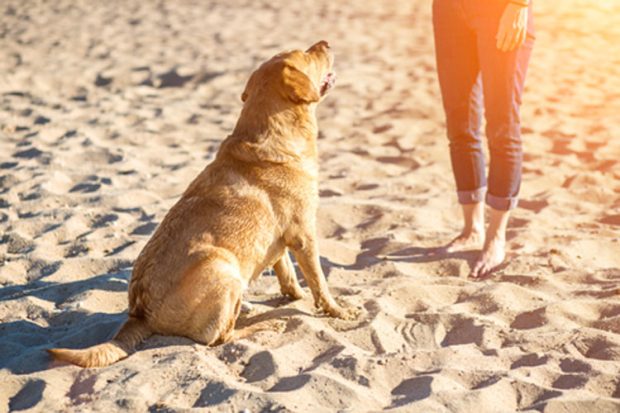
(459, 79)
(503, 78)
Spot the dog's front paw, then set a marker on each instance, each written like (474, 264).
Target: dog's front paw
(294, 293)
(246, 307)
(344, 313)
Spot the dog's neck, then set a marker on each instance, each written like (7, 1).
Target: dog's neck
(275, 133)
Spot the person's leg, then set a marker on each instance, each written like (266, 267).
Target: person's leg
(503, 77)
(494, 250)
(458, 72)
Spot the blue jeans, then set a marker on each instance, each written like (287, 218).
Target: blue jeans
(469, 65)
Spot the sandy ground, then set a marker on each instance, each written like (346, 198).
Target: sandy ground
(108, 109)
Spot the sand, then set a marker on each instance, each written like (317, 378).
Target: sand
(109, 109)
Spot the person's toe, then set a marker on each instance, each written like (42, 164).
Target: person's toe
(475, 272)
(485, 271)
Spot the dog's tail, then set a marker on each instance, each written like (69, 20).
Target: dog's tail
(133, 332)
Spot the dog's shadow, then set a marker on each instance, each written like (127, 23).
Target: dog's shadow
(24, 342)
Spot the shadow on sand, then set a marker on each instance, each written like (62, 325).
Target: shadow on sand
(23, 344)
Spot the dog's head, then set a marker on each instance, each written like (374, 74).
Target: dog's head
(295, 76)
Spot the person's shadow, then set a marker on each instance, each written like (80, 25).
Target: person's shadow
(373, 253)
(431, 254)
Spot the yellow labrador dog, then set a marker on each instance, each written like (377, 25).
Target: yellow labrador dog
(256, 200)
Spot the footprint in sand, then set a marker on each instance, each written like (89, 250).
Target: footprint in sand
(421, 336)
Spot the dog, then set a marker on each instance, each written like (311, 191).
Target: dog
(242, 214)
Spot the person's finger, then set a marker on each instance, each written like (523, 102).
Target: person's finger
(501, 34)
(517, 39)
(498, 38)
(501, 40)
(514, 43)
(510, 40)
(506, 40)
(522, 38)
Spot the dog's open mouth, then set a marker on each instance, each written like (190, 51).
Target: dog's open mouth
(328, 82)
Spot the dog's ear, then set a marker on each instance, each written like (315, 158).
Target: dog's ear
(298, 87)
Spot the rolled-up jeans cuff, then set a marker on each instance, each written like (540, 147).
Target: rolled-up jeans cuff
(473, 196)
(501, 204)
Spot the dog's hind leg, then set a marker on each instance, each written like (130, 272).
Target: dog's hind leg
(228, 333)
(285, 271)
(221, 314)
(206, 304)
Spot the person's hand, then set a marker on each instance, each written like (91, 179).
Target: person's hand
(512, 28)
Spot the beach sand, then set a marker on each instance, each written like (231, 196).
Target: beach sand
(109, 109)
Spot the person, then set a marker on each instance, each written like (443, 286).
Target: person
(483, 48)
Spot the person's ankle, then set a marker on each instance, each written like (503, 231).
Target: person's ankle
(495, 240)
(474, 230)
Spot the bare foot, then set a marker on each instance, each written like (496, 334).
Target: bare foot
(492, 255)
(468, 240)
(472, 236)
